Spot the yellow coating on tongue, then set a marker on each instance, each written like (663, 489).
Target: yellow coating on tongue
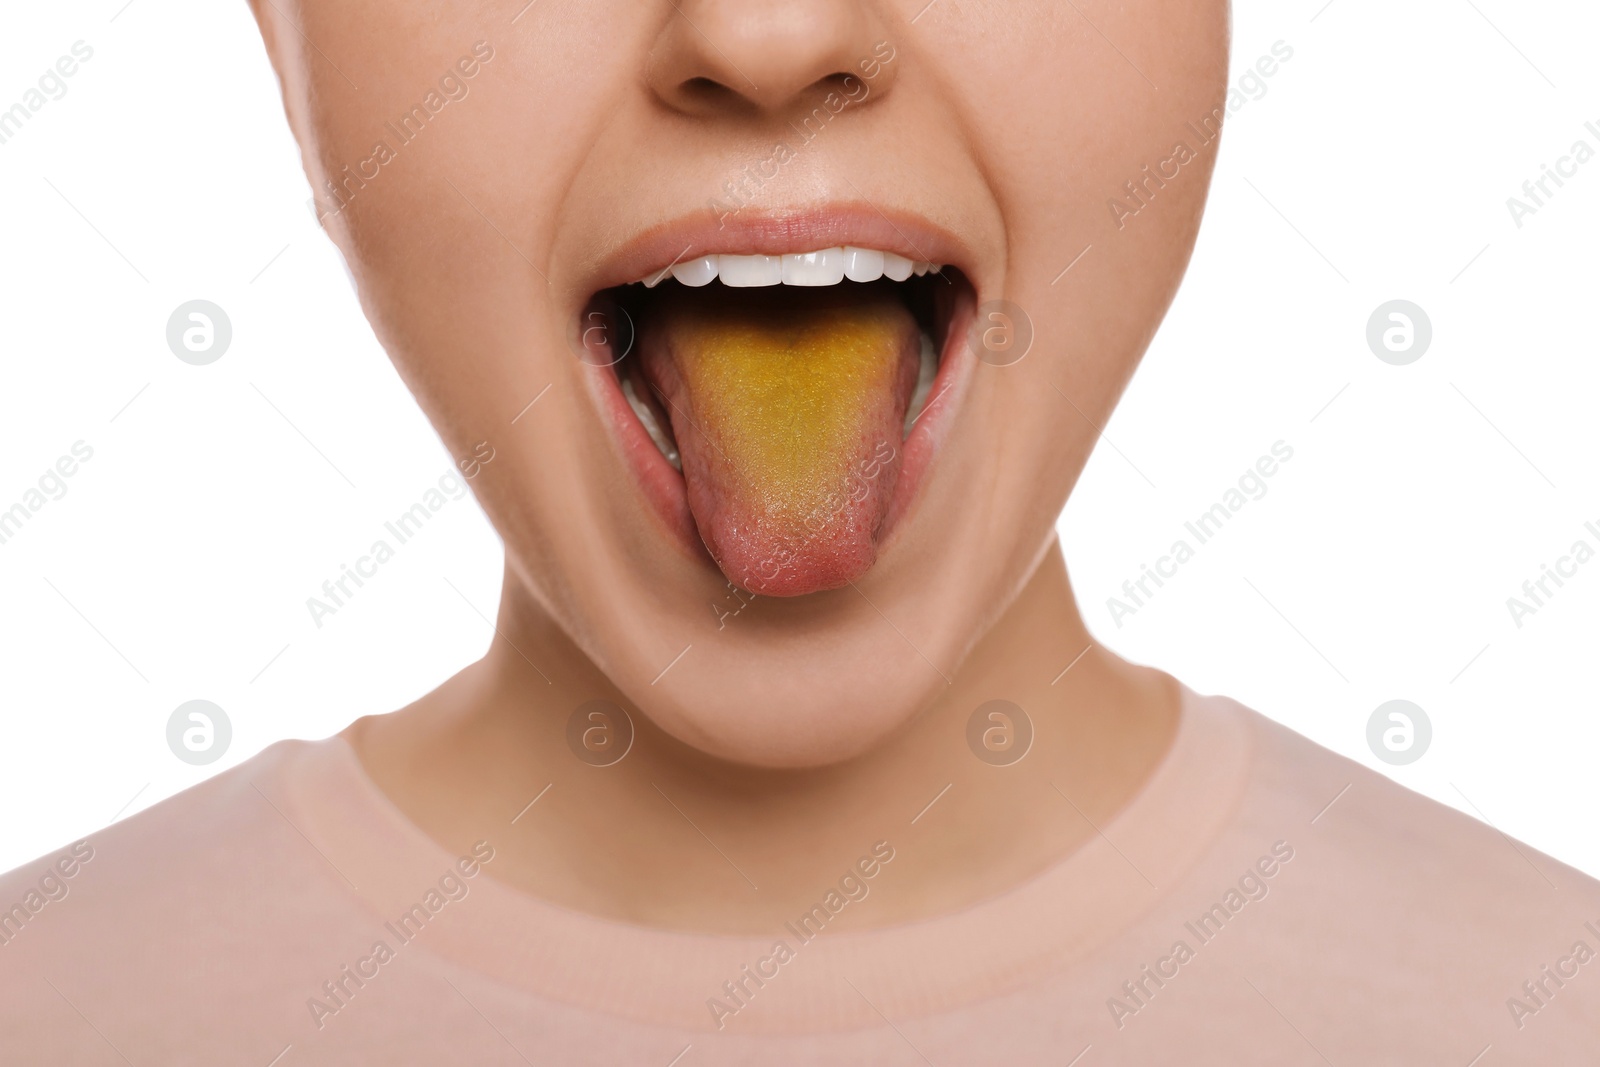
(788, 399)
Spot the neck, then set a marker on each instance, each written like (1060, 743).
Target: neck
(669, 837)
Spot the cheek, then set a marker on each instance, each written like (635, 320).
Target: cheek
(1062, 137)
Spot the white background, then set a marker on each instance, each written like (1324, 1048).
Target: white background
(1376, 166)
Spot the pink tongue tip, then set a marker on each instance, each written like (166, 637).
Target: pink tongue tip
(830, 546)
(788, 411)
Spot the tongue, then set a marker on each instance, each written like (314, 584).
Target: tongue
(788, 407)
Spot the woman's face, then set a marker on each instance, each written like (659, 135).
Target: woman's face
(783, 572)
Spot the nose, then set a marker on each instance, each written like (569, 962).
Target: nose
(726, 56)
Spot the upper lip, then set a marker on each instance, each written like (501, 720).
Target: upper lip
(775, 232)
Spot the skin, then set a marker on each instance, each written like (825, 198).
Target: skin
(800, 731)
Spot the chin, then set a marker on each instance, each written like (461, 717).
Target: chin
(790, 706)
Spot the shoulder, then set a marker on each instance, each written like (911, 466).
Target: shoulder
(1361, 820)
(1439, 925)
(200, 899)
(204, 826)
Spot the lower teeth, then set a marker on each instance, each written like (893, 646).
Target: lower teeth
(927, 368)
(653, 427)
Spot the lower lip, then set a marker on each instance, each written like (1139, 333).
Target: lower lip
(663, 485)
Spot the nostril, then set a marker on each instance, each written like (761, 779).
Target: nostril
(840, 85)
(701, 93)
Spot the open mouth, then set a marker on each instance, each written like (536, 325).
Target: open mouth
(787, 400)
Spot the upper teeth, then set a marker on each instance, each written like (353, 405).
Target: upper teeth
(829, 266)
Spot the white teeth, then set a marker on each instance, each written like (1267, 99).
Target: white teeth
(647, 419)
(862, 264)
(696, 272)
(814, 268)
(748, 271)
(826, 266)
(927, 369)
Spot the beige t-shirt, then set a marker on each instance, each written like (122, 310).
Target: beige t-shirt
(1262, 901)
